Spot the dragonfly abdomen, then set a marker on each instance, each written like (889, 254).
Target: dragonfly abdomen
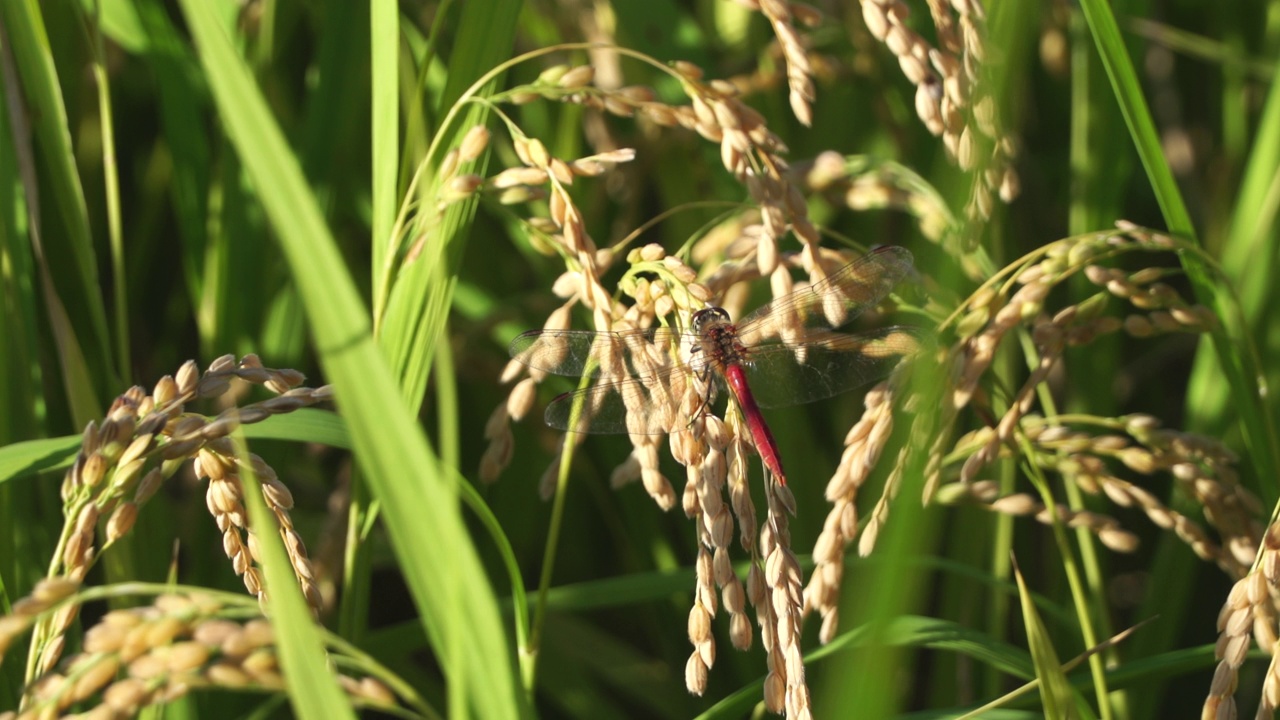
(760, 434)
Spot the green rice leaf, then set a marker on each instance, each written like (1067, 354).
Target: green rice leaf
(1249, 251)
(384, 26)
(1231, 340)
(313, 689)
(448, 584)
(303, 425)
(1055, 691)
(120, 22)
(64, 285)
(422, 292)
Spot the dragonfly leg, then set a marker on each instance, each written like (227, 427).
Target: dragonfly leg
(707, 398)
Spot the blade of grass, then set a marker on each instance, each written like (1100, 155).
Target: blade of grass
(861, 680)
(410, 304)
(1231, 341)
(111, 186)
(424, 95)
(182, 104)
(1253, 221)
(1055, 691)
(1099, 163)
(1201, 47)
(1085, 601)
(900, 632)
(1133, 105)
(35, 456)
(1092, 589)
(284, 333)
(1062, 670)
(1249, 249)
(308, 425)
(453, 596)
(313, 689)
(21, 409)
(233, 253)
(37, 81)
(120, 21)
(384, 77)
(417, 297)
(16, 46)
(420, 296)
(21, 375)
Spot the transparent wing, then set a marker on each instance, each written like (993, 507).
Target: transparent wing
(791, 356)
(596, 354)
(649, 405)
(825, 365)
(830, 303)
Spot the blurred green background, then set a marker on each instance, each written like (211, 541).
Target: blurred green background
(214, 253)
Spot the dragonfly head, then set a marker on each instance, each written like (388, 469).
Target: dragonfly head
(708, 317)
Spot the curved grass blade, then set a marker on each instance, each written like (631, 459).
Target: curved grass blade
(48, 454)
(313, 689)
(454, 599)
(1250, 247)
(1231, 341)
(1055, 692)
(78, 289)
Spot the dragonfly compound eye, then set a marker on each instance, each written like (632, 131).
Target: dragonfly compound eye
(707, 317)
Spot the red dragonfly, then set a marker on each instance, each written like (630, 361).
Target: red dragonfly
(784, 353)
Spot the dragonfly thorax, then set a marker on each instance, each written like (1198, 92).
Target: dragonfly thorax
(717, 339)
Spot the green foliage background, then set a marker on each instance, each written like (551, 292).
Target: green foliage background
(216, 177)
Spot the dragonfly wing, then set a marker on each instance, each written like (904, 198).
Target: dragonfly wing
(640, 406)
(831, 302)
(826, 365)
(595, 354)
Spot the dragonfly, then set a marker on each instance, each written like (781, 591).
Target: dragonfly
(784, 353)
